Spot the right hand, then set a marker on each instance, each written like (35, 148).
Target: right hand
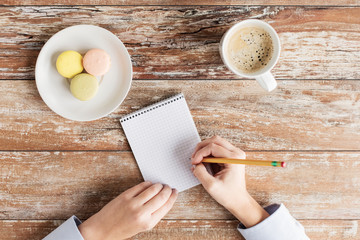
(137, 209)
(227, 186)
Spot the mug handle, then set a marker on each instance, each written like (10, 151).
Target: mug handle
(267, 81)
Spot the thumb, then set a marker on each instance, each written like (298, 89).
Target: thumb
(203, 175)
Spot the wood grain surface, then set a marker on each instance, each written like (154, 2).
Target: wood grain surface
(318, 43)
(299, 115)
(187, 229)
(55, 185)
(52, 168)
(184, 2)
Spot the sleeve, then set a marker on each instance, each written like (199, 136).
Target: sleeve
(68, 230)
(280, 225)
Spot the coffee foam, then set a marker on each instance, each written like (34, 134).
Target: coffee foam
(250, 49)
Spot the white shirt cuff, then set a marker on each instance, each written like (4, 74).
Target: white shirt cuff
(68, 230)
(280, 225)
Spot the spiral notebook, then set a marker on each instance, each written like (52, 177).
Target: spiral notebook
(163, 137)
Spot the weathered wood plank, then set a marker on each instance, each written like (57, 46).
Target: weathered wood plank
(318, 43)
(55, 185)
(187, 229)
(183, 2)
(299, 115)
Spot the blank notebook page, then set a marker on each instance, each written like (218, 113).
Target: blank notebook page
(162, 137)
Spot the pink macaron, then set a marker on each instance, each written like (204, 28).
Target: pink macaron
(96, 62)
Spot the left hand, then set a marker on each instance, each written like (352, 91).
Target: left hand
(137, 209)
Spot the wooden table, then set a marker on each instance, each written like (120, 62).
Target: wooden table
(52, 168)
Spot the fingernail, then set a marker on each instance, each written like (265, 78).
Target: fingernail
(162, 185)
(175, 191)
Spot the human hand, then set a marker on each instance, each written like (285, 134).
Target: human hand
(227, 186)
(137, 209)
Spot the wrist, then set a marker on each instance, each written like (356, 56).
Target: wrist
(85, 231)
(248, 211)
(239, 202)
(88, 231)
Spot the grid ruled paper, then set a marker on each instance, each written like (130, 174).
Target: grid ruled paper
(162, 137)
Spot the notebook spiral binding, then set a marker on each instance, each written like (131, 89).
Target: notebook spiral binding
(152, 107)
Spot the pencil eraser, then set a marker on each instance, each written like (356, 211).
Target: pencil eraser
(283, 164)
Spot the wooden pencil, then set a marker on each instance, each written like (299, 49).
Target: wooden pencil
(245, 161)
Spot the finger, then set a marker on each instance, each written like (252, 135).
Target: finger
(162, 211)
(217, 140)
(134, 191)
(149, 193)
(203, 175)
(211, 149)
(240, 153)
(159, 200)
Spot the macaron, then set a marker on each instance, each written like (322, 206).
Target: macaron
(69, 63)
(84, 86)
(96, 62)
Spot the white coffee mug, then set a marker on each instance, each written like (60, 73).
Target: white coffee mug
(263, 76)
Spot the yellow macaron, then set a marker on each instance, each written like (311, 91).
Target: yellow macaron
(69, 63)
(84, 86)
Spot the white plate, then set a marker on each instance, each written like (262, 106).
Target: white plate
(55, 90)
